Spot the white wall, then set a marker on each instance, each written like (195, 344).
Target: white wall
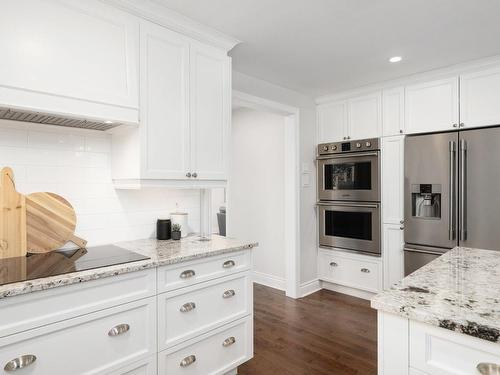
(256, 190)
(75, 163)
(306, 105)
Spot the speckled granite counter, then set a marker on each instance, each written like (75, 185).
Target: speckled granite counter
(459, 291)
(160, 253)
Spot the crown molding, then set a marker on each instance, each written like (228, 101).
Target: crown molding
(154, 11)
(441, 73)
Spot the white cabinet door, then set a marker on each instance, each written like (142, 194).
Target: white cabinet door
(480, 98)
(392, 254)
(365, 116)
(210, 112)
(54, 51)
(432, 106)
(393, 115)
(392, 179)
(164, 103)
(332, 122)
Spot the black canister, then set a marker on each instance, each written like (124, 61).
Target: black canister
(163, 229)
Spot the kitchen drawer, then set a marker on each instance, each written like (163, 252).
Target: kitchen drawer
(188, 312)
(214, 353)
(20, 313)
(144, 367)
(352, 270)
(438, 351)
(85, 345)
(189, 273)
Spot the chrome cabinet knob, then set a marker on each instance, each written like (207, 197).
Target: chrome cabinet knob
(228, 293)
(333, 264)
(187, 307)
(189, 360)
(485, 368)
(400, 131)
(365, 270)
(455, 125)
(228, 264)
(187, 274)
(188, 175)
(345, 138)
(20, 363)
(120, 329)
(348, 137)
(462, 124)
(402, 227)
(401, 221)
(228, 342)
(195, 174)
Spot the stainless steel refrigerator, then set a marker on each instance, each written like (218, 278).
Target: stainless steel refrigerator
(452, 193)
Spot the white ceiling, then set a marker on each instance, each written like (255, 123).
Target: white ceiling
(319, 47)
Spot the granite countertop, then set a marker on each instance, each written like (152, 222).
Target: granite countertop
(459, 291)
(160, 252)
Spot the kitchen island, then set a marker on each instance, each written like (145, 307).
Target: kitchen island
(444, 318)
(189, 307)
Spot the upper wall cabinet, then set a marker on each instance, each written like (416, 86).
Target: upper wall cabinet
(393, 115)
(480, 98)
(365, 116)
(432, 106)
(332, 122)
(69, 57)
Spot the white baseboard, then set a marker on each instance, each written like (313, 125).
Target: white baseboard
(269, 280)
(309, 287)
(347, 290)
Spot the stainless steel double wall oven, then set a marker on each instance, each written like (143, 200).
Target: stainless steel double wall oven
(349, 195)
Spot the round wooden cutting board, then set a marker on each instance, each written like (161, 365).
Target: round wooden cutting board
(50, 223)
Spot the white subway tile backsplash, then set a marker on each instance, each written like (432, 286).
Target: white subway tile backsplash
(77, 166)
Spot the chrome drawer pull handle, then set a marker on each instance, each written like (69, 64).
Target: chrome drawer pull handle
(228, 342)
(190, 359)
(187, 274)
(118, 330)
(228, 264)
(333, 264)
(20, 362)
(187, 307)
(488, 368)
(228, 293)
(365, 270)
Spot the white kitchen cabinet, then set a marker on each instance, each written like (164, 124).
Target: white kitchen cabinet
(210, 111)
(393, 115)
(480, 98)
(392, 253)
(392, 156)
(332, 122)
(69, 57)
(432, 106)
(365, 116)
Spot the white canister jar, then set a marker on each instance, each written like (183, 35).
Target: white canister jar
(180, 218)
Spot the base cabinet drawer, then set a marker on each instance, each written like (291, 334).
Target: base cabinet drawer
(146, 366)
(190, 273)
(355, 271)
(188, 312)
(438, 351)
(98, 343)
(215, 353)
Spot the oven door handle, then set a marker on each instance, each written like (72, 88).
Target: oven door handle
(342, 156)
(331, 204)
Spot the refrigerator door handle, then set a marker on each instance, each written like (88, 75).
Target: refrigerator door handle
(463, 193)
(452, 221)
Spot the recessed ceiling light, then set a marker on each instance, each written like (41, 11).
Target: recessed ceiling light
(395, 59)
(108, 122)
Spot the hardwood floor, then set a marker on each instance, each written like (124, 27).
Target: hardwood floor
(324, 333)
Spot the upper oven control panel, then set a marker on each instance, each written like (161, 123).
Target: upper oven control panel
(350, 146)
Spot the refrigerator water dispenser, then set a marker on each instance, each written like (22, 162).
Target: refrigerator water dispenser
(426, 201)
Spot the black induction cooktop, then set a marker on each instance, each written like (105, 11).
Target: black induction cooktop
(35, 266)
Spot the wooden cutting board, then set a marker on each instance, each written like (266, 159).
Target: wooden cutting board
(50, 223)
(12, 217)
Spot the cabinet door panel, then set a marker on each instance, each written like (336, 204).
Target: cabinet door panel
(431, 106)
(393, 111)
(164, 103)
(210, 112)
(85, 50)
(393, 254)
(480, 98)
(332, 122)
(392, 179)
(365, 116)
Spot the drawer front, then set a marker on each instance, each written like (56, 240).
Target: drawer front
(186, 313)
(70, 301)
(144, 367)
(92, 344)
(190, 273)
(437, 351)
(356, 272)
(217, 353)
